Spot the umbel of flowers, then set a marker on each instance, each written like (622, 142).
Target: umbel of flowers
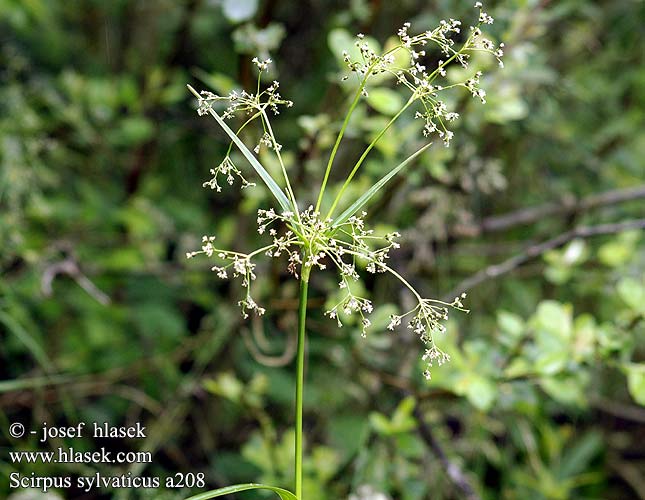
(311, 238)
(319, 244)
(308, 240)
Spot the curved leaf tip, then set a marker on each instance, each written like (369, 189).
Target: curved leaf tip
(282, 493)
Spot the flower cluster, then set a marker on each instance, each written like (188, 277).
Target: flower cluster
(370, 64)
(367, 492)
(310, 242)
(352, 246)
(255, 105)
(245, 102)
(425, 320)
(240, 265)
(226, 169)
(420, 78)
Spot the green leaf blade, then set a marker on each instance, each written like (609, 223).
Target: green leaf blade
(367, 196)
(282, 493)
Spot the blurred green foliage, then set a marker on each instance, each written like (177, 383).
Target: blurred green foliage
(102, 319)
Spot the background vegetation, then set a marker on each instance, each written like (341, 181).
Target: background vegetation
(536, 210)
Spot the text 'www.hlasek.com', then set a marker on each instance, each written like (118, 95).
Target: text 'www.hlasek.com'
(93, 469)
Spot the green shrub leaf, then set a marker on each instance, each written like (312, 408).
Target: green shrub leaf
(636, 381)
(385, 101)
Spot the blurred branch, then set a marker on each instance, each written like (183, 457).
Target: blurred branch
(631, 474)
(253, 346)
(70, 267)
(537, 250)
(453, 470)
(620, 410)
(567, 206)
(25, 391)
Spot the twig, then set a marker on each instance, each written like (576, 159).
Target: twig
(453, 470)
(70, 267)
(534, 251)
(620, 410)
(631, 475)
(568, 205)
(267, 360)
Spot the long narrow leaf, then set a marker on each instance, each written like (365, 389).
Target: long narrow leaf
(264, 175)
(34, 382)
(32, 345)
(283, 494)
(360, 202)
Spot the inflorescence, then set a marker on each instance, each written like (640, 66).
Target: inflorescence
(305, 238)
(316, 243)
(420, 79)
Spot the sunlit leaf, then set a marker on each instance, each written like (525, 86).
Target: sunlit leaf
(633, 294)
(636, 381)
(239, 10)
(385, 101)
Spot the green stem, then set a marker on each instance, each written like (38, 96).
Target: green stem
(300, 377)
(282, 166)
(339, 138)
(230, 146)
(365, 153)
